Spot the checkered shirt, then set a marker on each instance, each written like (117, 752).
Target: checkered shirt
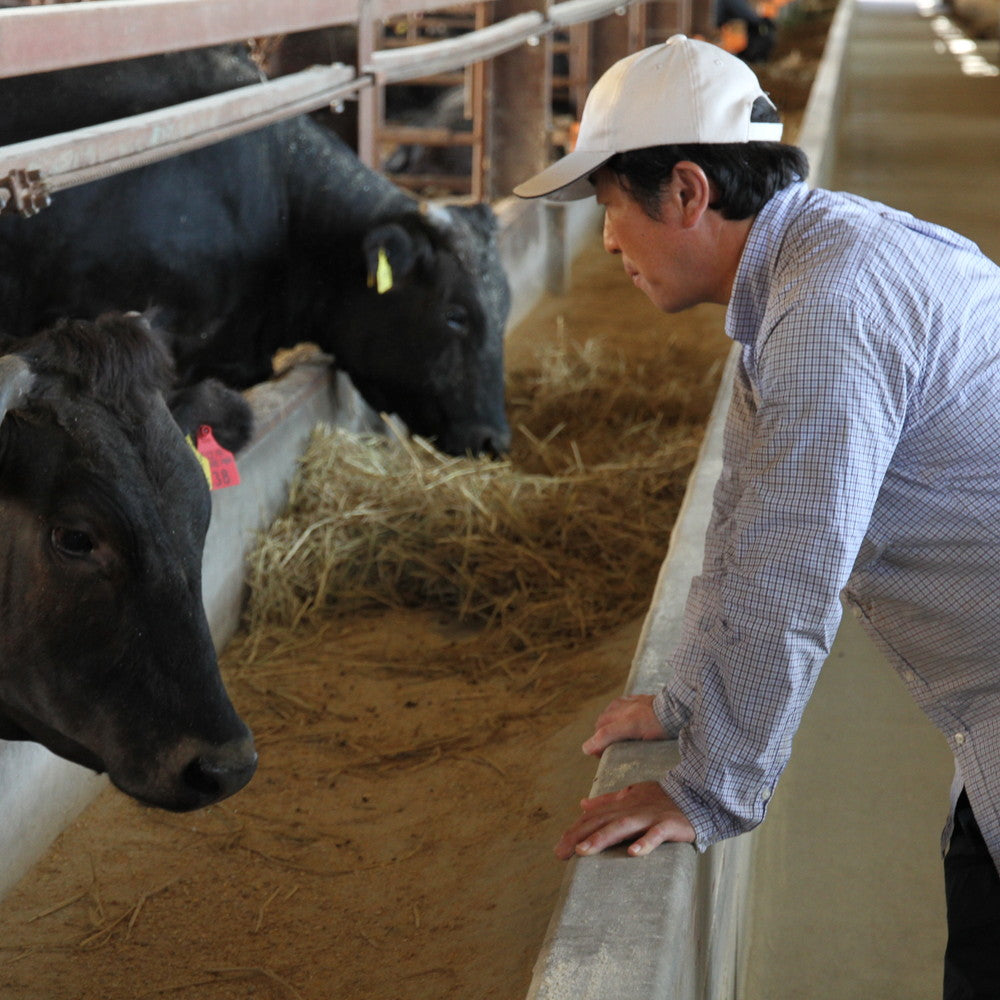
(861, 457)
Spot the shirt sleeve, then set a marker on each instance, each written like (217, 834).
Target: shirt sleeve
(673, 704)
(807, 452)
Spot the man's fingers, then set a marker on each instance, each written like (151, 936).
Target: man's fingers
(610, 833)
(602, 832)
(604, 736)
(627, 718)
(593, 833)
(673, 831)
(640, 811)
(607, 799)
(580, 832)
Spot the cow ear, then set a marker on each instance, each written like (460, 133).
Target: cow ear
(213, 404)
(16, 380)
(391, 256)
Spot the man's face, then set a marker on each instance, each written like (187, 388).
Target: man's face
(661, 256)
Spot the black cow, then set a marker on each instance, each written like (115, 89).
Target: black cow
(262, 242)
(105, 652)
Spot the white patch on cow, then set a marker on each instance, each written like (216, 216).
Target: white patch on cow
(438, 214)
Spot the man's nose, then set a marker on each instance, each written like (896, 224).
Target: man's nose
(610, 242)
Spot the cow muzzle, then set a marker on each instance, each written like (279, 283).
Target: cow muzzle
(487, 440)
(193, 775)
(220, 771)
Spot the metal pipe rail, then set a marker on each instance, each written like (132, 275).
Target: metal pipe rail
(37, 168)
(37, 39)
(33, 39)
(398, 65)
(562, 15)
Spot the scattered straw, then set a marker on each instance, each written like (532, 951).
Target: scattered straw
(546, 549)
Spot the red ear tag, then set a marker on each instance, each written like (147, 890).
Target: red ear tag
(220, 462)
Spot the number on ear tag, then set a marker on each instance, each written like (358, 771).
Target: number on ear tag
(221, 462)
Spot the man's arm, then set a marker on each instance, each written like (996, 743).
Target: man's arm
(831, 396)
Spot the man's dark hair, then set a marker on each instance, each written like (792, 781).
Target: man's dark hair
(746, 175)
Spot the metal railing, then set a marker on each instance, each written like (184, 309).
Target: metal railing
(43, 38)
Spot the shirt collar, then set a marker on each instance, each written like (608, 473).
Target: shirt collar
(752, 284)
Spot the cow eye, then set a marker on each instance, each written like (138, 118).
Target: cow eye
(457, 318)
(72, 542)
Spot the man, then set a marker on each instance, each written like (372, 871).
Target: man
(861, 458)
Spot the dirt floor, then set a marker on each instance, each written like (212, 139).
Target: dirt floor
(396, 843)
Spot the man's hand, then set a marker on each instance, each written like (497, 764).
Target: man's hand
(643, 809)
(628, 718)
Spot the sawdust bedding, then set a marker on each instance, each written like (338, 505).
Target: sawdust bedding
(419, 738)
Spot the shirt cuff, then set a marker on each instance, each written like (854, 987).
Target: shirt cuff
(711, 822)
(670, 713)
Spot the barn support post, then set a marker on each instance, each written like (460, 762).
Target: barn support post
(522, 83)
(638, 26)
(369, 98)
(668, 17)
(479, 78)
(703, 18)
(610, 42)
(558, 258)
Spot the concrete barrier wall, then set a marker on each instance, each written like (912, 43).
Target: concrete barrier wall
(672, 925)
(666, 925)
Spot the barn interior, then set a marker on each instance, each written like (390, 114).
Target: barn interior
(419, 732)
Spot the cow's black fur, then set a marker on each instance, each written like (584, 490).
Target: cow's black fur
(262, 242)
(105, 651)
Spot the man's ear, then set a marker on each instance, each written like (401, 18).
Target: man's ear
(692, 190)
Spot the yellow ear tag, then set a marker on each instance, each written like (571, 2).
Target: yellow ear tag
(383, 273)
(202, 461)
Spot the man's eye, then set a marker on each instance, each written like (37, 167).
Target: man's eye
(72, 542)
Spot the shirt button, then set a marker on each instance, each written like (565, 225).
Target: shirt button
(908, 676)
(765, 794)
(959, 739)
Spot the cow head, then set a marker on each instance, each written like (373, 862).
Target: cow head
(428, 340)
(105, 652)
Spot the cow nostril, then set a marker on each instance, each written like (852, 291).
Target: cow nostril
(221, 771)
(496, 445)
(490, 442)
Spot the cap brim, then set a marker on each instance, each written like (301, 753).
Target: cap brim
(566, 179)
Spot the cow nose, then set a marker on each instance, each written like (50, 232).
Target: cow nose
(220, 771)
(482, 439)
(496, 443)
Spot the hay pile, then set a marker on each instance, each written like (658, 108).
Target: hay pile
(550, 548)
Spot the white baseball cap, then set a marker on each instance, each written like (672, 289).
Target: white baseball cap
(682, 91)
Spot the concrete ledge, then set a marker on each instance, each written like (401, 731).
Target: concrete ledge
(538, 242)
(665, 925)
(286, 411)
(818, 135)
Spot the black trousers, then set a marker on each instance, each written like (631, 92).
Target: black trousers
(972, 888)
